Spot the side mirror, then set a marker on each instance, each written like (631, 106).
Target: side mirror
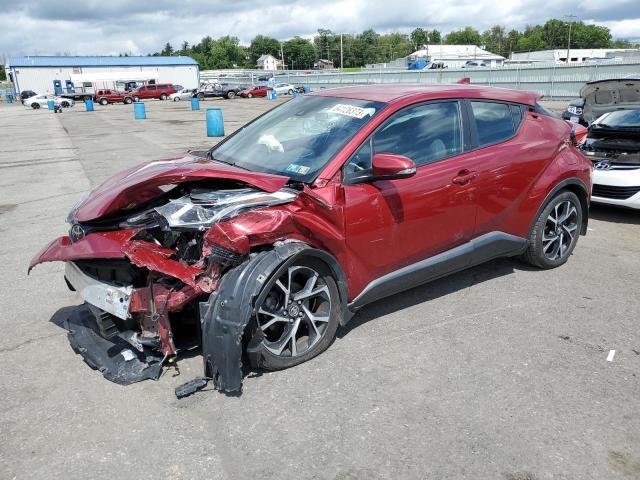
(388, 166)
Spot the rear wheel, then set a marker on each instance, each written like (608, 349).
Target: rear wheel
(176, 99)
(128, 100)
(136, 99)
(555, 233)
(299, 315)
(163, 96)
(290, 92)
(249, 95)
(65, 104)
(35, 106)
(231, 94)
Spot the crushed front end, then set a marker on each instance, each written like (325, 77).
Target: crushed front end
(145, 258)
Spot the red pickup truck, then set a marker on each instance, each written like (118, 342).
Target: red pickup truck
(105, 96)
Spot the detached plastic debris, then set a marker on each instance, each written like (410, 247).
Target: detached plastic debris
(115, 358)
(191, 387)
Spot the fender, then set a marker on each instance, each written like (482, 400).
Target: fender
(584, 201)
(225, 316)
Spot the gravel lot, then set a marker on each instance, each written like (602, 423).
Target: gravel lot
(499, 372)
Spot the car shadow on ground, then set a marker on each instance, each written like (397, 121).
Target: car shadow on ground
(608, 213)
(436, 289)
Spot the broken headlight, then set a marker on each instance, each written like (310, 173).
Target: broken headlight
(202, 208)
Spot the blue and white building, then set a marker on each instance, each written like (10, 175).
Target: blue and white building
(44, 74)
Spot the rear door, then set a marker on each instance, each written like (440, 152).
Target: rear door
(152, 91)
(391, 224)
(511, 148)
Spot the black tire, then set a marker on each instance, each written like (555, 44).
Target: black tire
(163, 96)
(176, 99)
(290, 92)
(249, 95)
(136, 99)
(35, 106)
(231, 94)
(551, 242)
(103, 101)
(65, 104)
(200, 96)
(127, 100)
(273, 361)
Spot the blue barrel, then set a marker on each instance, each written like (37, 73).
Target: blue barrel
(50, 104)
(215, 124)
(272, 95)
(9, 98)
(88, 103)
(295, 93)
(308, 90)
(195, 103)
(139, 112)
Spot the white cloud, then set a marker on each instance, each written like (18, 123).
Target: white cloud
(118, 26)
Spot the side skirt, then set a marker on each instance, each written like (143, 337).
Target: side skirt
(479, 250)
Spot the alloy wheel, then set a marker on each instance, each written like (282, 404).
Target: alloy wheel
(560, 230)
(295, 314)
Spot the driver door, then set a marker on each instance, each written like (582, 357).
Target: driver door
(391, 224)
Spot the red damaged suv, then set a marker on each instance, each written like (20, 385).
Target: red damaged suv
(258, 249)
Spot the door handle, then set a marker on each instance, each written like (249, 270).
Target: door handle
(464, 177)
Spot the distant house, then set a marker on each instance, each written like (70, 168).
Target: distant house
(269, 62)
(323, 64)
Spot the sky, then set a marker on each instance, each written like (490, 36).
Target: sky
(139, 27)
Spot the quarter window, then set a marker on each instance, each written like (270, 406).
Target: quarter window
(494, 122)
(425, 133)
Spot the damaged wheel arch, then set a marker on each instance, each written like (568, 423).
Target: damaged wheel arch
(228, 312)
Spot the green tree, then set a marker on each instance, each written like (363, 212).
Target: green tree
(468, 36)
(299, 53)
(227, 52)
(435, 37)
(392, 46)
(494, 39)
(419, 37)
(262, 45)
(167, 50)
(3, 73)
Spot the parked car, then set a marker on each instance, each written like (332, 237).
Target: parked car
(264, 245)
(183, 94)
(42, 100)
(613, 145)
(104, 96)
(219, 90)
(284, 88)
(573, 112)
(257, 91)
(160, 91)
(475, 64)
(27, 94)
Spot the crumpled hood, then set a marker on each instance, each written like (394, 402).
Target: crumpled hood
(605, 96)
(143, 183)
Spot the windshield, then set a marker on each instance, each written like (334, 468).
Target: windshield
(298, 138)
(619, 119)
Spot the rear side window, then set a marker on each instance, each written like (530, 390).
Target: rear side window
(151, 87)
(494, 122)
(517, 112)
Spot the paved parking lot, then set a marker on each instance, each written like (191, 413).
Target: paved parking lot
(499, 372)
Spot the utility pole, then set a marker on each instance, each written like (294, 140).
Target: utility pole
(341, 55)
(282, 57)
(571, 18)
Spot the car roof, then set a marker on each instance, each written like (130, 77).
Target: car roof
(422, 91)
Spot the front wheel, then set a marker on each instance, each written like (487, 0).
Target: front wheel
(299, 315)
(65, 104)
(103, 101)
(249, 95)
(35, 106)
(136, 99)
(555, 233)
(231, 95)
(163, 96)
(176, 99)
(290, 92)
(127, 100)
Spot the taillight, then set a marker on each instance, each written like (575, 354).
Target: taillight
(578, 134)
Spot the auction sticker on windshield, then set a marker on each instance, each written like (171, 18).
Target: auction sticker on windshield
(352, 110)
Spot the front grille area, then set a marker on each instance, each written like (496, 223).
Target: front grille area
(616, 193)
